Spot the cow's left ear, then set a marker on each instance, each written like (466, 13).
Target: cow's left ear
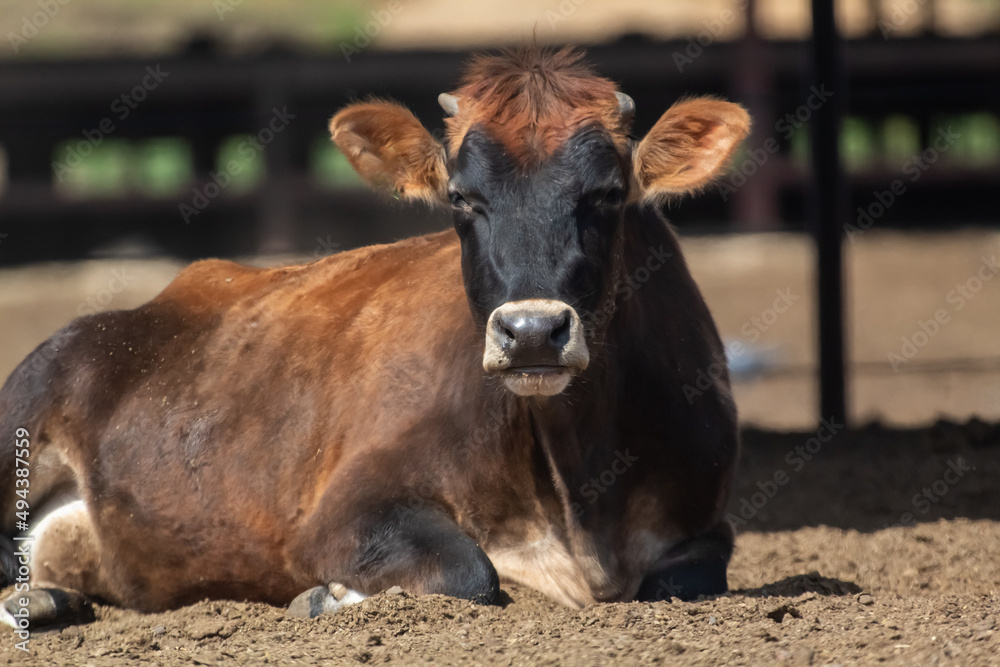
(390, 149)
(688, 147)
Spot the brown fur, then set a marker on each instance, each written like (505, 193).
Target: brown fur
(689, 147)
(241, 434)
(389, 148)
(532, 100)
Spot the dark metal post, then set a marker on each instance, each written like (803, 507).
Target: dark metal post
(277, 211)
(757, 208)
(828, 215)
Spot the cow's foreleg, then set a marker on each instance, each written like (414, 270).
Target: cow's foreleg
(696, 567)
(424, 551)
(64, 564)
(421, 550)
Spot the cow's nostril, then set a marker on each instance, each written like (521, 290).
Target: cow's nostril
(535, 338)
(560, 335)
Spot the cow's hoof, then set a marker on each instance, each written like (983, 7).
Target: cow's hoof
(45, 606)
(323, 600)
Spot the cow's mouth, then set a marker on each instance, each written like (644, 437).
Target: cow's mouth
(537, 380)
(535, 370)
(536, 346)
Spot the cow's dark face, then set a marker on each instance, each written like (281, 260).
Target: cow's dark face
(537, 173)
(537, 247)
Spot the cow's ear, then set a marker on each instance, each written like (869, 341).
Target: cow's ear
(688, 147)
(390, 149)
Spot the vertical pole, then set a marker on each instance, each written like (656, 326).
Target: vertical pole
(756, 208)
(277, 208)
(828, 214)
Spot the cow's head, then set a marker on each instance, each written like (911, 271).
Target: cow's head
(538, 169)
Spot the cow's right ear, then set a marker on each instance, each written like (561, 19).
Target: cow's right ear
(390, 149)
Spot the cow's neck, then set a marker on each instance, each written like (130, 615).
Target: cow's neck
(578, 438)
(580, 433)
(557, 429)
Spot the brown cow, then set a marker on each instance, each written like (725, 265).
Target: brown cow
(503, 399)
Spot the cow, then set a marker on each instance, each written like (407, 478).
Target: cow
(509, 400)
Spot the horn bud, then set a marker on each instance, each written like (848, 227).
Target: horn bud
(626, 106)
(449, 103)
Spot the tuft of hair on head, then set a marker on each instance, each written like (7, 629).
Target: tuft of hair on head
(532, 99)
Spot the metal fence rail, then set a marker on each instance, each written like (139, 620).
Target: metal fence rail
(205, 98)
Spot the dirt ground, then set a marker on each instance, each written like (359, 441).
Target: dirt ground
(817, 579)
(876, 545)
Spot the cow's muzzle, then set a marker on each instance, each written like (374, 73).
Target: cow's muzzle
(536, 345)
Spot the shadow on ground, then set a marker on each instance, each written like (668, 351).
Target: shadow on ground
(867, 479)
(800, 584)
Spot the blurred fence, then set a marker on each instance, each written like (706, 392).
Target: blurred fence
(201, 154)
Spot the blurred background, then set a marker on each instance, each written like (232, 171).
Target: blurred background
(138, 136)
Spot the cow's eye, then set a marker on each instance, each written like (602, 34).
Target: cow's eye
(614, 197)
(457, 200)
(607, 197)
(460, 204)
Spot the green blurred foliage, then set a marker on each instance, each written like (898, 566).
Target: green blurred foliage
(330, 166)
(978, 142)
(100, 171)
(867, 145)
(900, 139)
(245, 166)
(857, 143)
(163, 167)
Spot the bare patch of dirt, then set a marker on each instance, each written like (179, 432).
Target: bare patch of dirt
(826, 572)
